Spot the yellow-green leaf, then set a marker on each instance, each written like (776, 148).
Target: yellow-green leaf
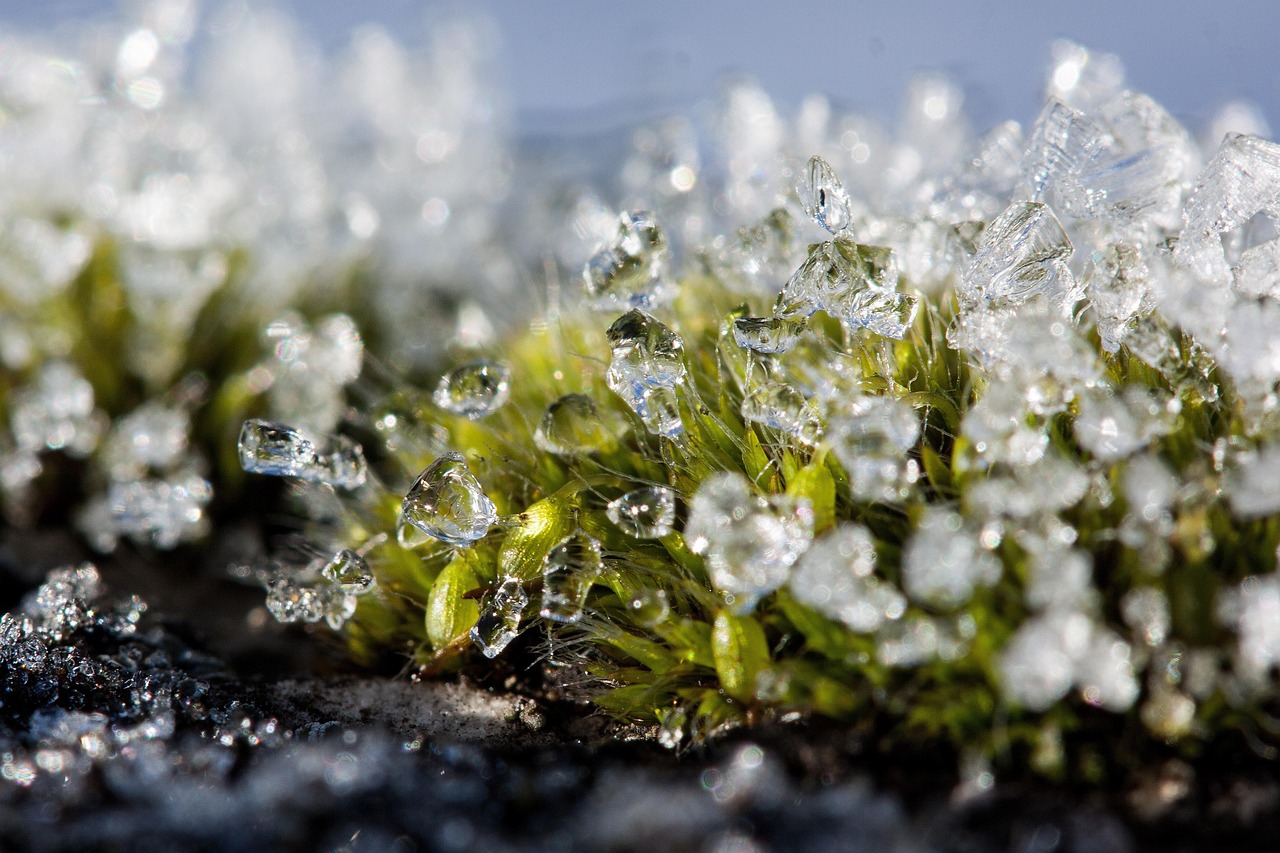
(814, 482)
(741, 653)
(449, 613)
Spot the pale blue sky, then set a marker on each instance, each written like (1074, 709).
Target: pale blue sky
(580, 63)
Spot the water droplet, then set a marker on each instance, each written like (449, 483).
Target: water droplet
(824, 197)
(779, 406)
(645, 513)
(568, 571)
(350, 571)
(575, 426)
(649, 607)
(474, 390)
(749, 542)
(447, 502)
(632, 272)
(647, 360)
(500, 614)
(766, 334)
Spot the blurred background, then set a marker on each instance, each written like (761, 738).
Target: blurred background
(580, 66)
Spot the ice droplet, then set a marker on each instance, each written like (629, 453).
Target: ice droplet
(780, 406)
(500, 615)
(761, 256)
(646, 361)
(766, 334)
(151, 436)
(574, 426)
(350, 571)
(834, 577)
(824, 197)
(291, 601)
(279, 450)
(448, 503)
(749, 542)
(56, 412)
(568, 571)
(645, 513)
(649, 607)
(474, 390)
(853, 283)
(1021, 254)
(161, 512)
(632, 272)
(943, 562)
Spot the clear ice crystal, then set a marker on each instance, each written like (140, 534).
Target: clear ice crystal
(835, 578)
(1021, 254)
(574, 426)
(872, 439)
(750, 542)
(824, 197)
(853, 283)
(151, 437)
(474, 390)
(944, 562)
(1258, 272)
(761, 256)
(448, 503)
(289, 601)
(648, 512)
(777, 405)
(1116, 282)
(350, 571)
(1062, 143)
(500, 615)
(279, 450)
(768, 335)
(568, 571)
(1240, 181)
(633, 271)
(645, 367)
(56, 412)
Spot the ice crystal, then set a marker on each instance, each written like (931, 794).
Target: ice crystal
(871, 439)
(824, 198)
(500, 617)
(279, 450)
(633, 271)
(448, 503)
(835, 577)
(645, 368)
(943, 562)
(475, 390)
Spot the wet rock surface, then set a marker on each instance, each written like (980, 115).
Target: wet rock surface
(126, 726)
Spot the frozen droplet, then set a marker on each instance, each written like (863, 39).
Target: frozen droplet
(277, 449)
(160, 512)
(766, 334)
(1062, 143)
(409, 536)
(474, 390)
(291, 601)
(835, 578)
(568, 571)
(150, 437)
(645, 513)
(647, 360)
(749, 542)
(780, 406)
(762, 256)
(349, 570)
(1112, 426)
(1021, 254)
(885, 312)
(1146, 611)
(575, 426)
(824, 197)
(337, 603)
(832, 274)
(632, 272)
(649, 607)
(943, 561)
(500, 615)
(1116, 284)
(448, 503)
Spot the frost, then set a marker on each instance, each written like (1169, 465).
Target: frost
(943, 562)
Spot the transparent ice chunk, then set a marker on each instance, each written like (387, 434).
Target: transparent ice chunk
(871, 439)
(1112, 426)
(349, 570)
(474, 390)
(647, 357)
(1062, 144)
(766, 334)
(633, 271)
(152, 436)
(448, 503)
(279, 450)
(1258, 273)
(1240, 181)
(574, 426)
(762, 255)
(645, 513)
(1116, 283)
(568, 571)
(750, 543)
(1019, 256)
(823, 196)
(944, 562)
(161, 512)
(835, 578)
(56, 412)
(780, 406)
(500, 615)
